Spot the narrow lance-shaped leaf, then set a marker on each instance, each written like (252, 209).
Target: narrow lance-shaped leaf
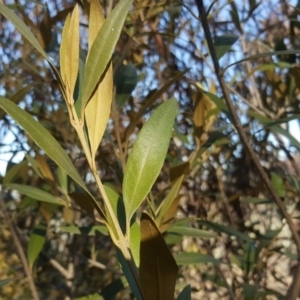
(147, 156)
(45, 141)
(158, 269)
(97, 110)
(101, 51)
(35, 193)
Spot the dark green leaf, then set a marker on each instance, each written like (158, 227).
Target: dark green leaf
(223, 43)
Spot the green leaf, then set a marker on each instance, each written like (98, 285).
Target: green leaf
(110, 291)
(101, 51)
(185, 294)
(118, 208)
(125, 79)
(128, 274)
(42, 138)
(267, 54)
(278, 184)
(227, 230)
(135, 240)
(256, 200)
(35, 193)
(192, 232)
(249, 257)
(46, 142)
(192, 258)
(249, 291)
(223, 43)
(147, 156)
(13, 172)
(85, 230)
(158, 269)
(36, 243)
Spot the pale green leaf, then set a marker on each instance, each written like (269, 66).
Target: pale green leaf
(135, 239)
(101, 51)
(36, 243)
(147, 156)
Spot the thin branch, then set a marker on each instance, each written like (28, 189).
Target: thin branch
(294, 289)
(19, 248)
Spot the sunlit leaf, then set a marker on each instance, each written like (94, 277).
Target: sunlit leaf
(97, 110)
(158, 269)
(101, 51)
(36, 243)
(147, 156)
(135, 239)
(69, 52)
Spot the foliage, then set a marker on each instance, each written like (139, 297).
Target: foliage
(135, 183)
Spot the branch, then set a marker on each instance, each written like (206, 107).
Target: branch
(294, 288)
(20, 251)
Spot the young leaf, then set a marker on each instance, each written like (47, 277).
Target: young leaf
(147, 156)
(158, 269)
(35, 193)
(36, 243)
(97, 110)
(102, 49)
